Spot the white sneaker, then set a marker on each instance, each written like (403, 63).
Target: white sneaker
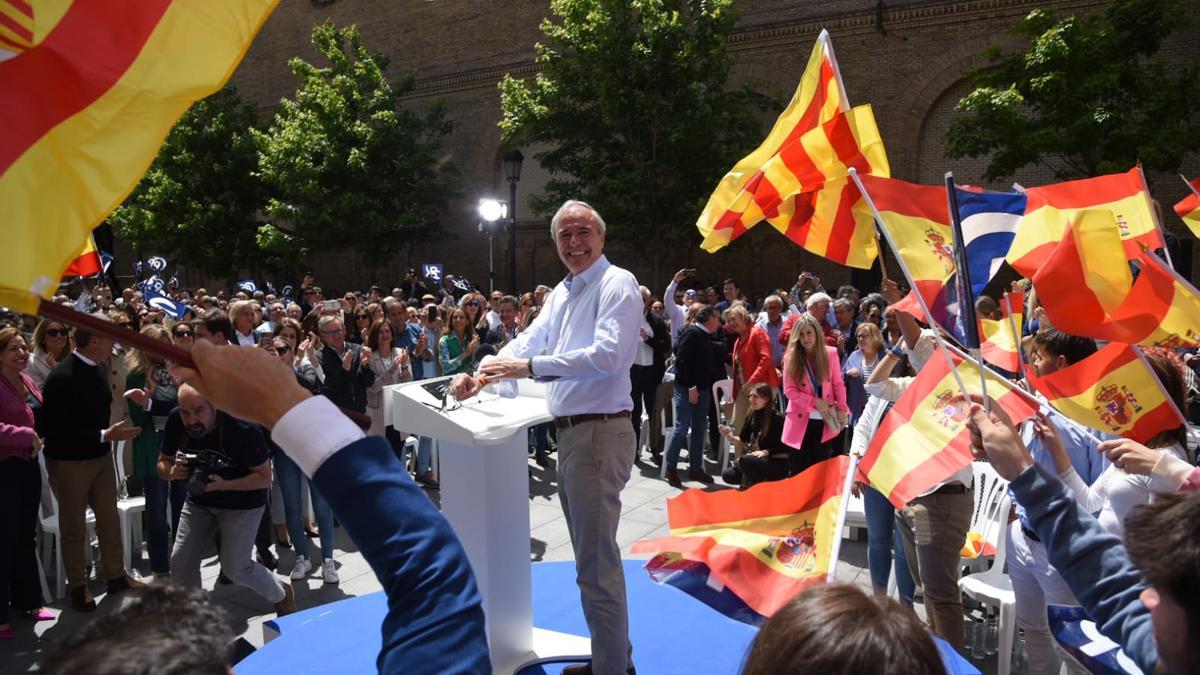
(301, 569)
(330, 572)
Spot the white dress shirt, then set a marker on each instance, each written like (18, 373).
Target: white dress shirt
(676, 313)
(585, 336)
(645, 353)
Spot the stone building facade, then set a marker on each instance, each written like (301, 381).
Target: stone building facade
(905, 57)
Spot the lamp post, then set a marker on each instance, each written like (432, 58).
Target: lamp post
(491, 211)
(512, 171)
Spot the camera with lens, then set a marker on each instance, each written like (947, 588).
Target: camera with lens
(203, 463)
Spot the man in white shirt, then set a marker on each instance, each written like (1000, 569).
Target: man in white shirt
(583, 342)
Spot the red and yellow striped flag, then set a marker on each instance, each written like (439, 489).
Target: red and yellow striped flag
(796, 179)
(1086, 289)
(924, 439)
(917, 219)
(1000, 341)
(1050, 208)
(88, 262)
(88, 100)
(1113, 390)
(1188, 209)
(765, 544)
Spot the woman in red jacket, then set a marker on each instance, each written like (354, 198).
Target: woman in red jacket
(751, 361)
(812, 381)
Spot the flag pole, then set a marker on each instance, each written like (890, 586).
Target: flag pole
(908, 275)
(1189, 184)
(126, 336)
(962, 281)
(1012, 325)
(847, 484)
(1157, 223)
(843, 100)
(1142, 357)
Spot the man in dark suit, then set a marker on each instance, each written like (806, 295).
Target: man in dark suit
(500, 335)
(694, 356)
(346, 367)
(647, 370)
(78, 446)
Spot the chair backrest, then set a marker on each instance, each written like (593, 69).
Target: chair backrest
(722, 390)
(49, 505)
(991, 506)
(118, 456)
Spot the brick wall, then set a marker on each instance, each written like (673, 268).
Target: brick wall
(907, 61)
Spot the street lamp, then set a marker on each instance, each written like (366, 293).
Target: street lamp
(491, 211)
(512, 171)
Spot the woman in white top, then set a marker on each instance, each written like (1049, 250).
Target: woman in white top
(1115, 493)
(391, 366)
(51, 344)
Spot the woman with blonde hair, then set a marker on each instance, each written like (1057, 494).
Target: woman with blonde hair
(150, 382)
(456, 348)
(51, 344)
(812, 382)
(859, 366)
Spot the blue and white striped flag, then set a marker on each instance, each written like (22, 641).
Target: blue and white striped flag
(989, 223)
(159, 301)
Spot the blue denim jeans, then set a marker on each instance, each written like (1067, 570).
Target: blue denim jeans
(883, 537)
(158, 492)
(690, 419)
(291, 481)
(424, 454)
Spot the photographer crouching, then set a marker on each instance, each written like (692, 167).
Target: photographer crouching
(226, 464)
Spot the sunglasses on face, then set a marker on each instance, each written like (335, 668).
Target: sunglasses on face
(183, 333)
(283, 349)
(472, 304)
(56, 332)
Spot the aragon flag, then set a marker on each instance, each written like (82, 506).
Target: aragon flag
(1086, 289)
(796, 179)
(1188, 208)
(1049, 208)
(764, 544)
(88, 262)
(1113, 390)
(924, 439)
(90, 90)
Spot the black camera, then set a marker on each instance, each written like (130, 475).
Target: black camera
(203, 463)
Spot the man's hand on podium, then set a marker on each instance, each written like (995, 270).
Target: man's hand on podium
(464, 386)
(503, 368)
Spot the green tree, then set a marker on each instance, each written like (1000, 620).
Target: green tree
(1090, 95)
(632, 100)
(347, 167)
(197, 203)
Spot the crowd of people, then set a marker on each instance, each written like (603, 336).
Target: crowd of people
(810, 376)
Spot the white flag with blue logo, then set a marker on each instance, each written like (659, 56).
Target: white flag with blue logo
(159, 301)
(989, 223)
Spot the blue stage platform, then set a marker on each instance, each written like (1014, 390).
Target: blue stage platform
(671, 632)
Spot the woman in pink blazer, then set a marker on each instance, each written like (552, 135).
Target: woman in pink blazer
(812, 382)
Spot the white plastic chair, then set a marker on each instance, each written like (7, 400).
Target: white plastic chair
(52, 533)
(988, 519)
(667, 422)
(129, 509)
(722, 390)
(993, 587)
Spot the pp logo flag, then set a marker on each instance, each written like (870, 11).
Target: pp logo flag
(161, 302)
(156, 263)
(432, 271)
(155, 283)
(1078, 635)
(247, 286)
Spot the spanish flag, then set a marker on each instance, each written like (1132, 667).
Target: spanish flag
(1087, 289)
(1051, 207)
(924, 439)
(916, 219)
(1113, 390)
(1001, 340)
(88, 262)
(90, 91)
(797, 178)
(1188, 208)
(765, 544)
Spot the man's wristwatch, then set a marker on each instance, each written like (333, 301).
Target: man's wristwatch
(529, 367)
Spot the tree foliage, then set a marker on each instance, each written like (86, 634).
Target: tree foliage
(197, 203)
(632, 101)
(347, 167)
(1090, 95)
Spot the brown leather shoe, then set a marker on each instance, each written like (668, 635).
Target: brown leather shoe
(122, 583)
(288, 604)
(82, 600)
(673, 479)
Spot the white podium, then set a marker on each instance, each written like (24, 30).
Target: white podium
(483, 449)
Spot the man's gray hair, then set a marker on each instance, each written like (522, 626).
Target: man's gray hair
(326, 320)
(600, 226)
(817, 297)
(772, 298)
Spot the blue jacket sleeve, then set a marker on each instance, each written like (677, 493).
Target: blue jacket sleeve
(1092, 562)
(434, 622)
